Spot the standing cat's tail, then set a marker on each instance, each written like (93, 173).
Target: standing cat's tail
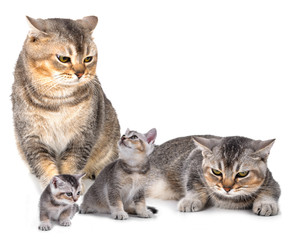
(152, 209)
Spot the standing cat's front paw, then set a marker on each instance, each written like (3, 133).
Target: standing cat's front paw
(122, 215)
(265, 208)
(45, 226)
(145, 214)
(190, 205)
(65, 222)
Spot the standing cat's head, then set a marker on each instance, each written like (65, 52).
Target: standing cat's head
(60, 53)
(234, 166)
(133, 145)
(66, 188)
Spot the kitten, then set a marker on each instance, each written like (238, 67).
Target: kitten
(226, 172)
(119, 189)
(64, 123)
(57, 202)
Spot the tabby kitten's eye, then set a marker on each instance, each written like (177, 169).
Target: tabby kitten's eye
(133, 137)
(63, 59)
(242, 174)
(69, 194)
(78, 193)
(216, 172)
(87, 59)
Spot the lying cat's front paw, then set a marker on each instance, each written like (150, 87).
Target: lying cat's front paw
(120, 215)
(45, 226)
(190, 205)
(265, 208)
(65, 222)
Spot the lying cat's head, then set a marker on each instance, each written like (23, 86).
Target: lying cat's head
(66, 188)
(133, 144)
(234, 166)
(61, 52)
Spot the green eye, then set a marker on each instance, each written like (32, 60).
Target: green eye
(63, 59)
(87, 59)
(242, 174)
(216, 172)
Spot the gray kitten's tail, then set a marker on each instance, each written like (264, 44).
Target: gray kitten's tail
(152, 209)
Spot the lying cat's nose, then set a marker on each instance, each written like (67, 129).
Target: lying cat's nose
(227, 189)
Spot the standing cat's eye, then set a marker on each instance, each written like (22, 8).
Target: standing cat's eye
(216, 172)
(87, 59)
(63, 59)
(242, 174)
(133, 137)
(69, 194)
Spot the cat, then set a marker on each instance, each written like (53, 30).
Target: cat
(64, 123)
(57, 202)
(228, 172)
(120, 187)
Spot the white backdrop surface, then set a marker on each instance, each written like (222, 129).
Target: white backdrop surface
(184, 67)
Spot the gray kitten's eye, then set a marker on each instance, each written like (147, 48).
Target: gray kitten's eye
(133, 137)
(69, 194)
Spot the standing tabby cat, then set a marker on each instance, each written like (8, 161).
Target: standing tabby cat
(226, 172)
(64, 123)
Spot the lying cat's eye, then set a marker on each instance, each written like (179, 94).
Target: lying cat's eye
(87, 59)
(69, 194)
(63, 59)
(216, 172)
(242, 174)
(133, 137)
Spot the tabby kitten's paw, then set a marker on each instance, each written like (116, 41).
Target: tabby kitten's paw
(265, 208)
(45, 226)
(146, 214)
(190, 205)
(65, 222)
(122, 215)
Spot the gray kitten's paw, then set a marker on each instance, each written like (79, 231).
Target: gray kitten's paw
(65, 222)
(45, 226)
(145, 214)
(122, 215)
(190, 205)
(266, 207)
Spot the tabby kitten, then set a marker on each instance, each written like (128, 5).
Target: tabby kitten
(64, 123)
(119, 189)
(57, 202)
(226, 172)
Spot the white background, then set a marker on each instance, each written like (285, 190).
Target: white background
(184, 67)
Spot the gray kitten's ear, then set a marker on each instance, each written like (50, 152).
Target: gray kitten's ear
(57, 182)
(37, 26)
(151, 135)
(206, 145)
(262, 149)
(89, 22)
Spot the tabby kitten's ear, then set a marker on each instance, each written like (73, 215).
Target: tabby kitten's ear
(57, 182)
(151, 135)
(206, 145)
(79, 176)
(262, 149)
(89, 22)
(37, 27)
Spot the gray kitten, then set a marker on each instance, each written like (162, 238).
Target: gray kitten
(57, 202)
(119, 188)
(226, 172)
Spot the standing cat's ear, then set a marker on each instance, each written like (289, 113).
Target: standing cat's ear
(151, 135)
(57, 182)
(206, 145)
(262, 149)
(37, 27)
(89, 22)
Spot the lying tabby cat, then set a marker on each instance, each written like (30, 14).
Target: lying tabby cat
(226, 172)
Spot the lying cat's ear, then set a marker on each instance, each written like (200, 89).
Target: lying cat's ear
(151, 135)
(89, 22)
(57, 182)
(262, 149)
(206, 145)
(37, 27)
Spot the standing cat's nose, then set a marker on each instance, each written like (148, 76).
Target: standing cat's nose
(79, 74)
(227, 189)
